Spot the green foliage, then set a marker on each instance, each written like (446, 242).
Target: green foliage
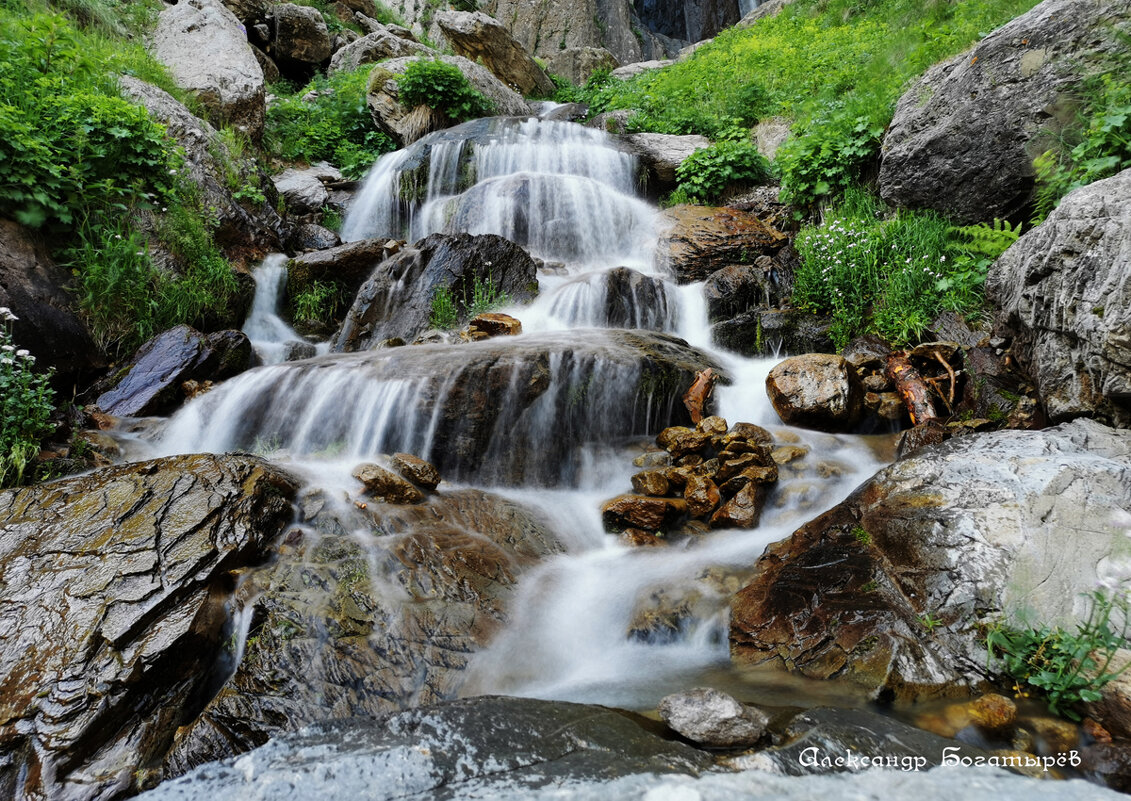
(233, 155)
(443, 88)
(316, 303)
(448, 309)
(1065, 668)
(929, 622)
(705, 174)
(335, 126)
(1104, 147)
(827, 154)
(861, 535)
(26, 405)
(888, 274)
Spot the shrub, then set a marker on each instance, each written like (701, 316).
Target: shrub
(26, 405)
(443, 88)
(705, 174)
(335, 126)
(316, 303)
(448, 309)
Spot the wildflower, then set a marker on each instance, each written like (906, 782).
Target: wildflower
(9, 348)
(6, 315)
(22, 353)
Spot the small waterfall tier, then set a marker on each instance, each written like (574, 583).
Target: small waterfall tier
(561, 190)
(502, 411)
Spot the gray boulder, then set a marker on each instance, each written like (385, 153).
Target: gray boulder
(964, 137)
(817, 390)
(660, 154)
(709, 717)
(374, 47)
(577, 64)
(632, 69)
(892, 588)
(301, 34)
(207, 53)
(1063, 292)
(112, 619)
(305, 190)
(483, 39)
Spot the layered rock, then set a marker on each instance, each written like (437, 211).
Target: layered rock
(1062, 294)
(207, 53)
(241, 231)
(151, 382)
(890, 589)
(483, 39)
(698, 240)
(112, 604)
(396, 301)
(964, 137)
(32, 287)
(380, 611)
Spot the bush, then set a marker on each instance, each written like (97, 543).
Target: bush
(336, 126)
(448, 309)
(705, 174)
(444, 89)
(26, 405)
(316, 304)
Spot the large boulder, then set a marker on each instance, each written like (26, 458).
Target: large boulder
(964, 137)
(892, 588)
(698, 240)
(347, 266)
(660, 154)
(374, 47)
(240, 230)
(207, 53)
(483, 39)
(397, 299)
(1063, 292)
(406, 125)
(381, 610)
(817, 390)
(112, 613)
(769, 332)
(32, 287)
(301, 35)
(151, 382)
(577, 64)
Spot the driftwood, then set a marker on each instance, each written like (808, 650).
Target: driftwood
(911, 388)
(697, 398)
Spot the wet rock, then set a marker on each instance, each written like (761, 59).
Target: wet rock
(207, 54)
(396, 301)
(768, 332)
(743, 510)
(660, 154)
(751, 432)
(633, 300)
(150, 384)
(348, 266)
(1111, 762)
(700, 240)
(975, 529)
(492, 324)
(301, 35)
(406, 125)
(817, 390)
(112, 594)
(297, 351)
(308, 237)
(751, 475)
(639, 511)
(484, 746)
(921, 436)
(650, 482)
(419, 472)
(32, 287)
(1057, 290)
(577, 64)
(483, 39)
(375, 47)
(383, 485)
(702, 496)
(240, 230)
(381, 611)
(964, 136)
(737, 288)
(639, 538)
(681, 441)
(712, 718)
(713, 425)
(653, 459)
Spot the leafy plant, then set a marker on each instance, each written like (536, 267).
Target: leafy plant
(448, 309)
(929, 622)
(317, 302)
(485, 297)
(445, 310)
(705, 174)
(443, 88)
(26, 405)
(1065, 668)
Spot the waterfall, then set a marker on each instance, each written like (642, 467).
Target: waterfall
(269, 333)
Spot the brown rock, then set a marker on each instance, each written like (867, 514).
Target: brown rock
(680, 441)
(750, 432)
(994, 714)
(653, 459)
(787, 454)
(495, 325)
(650, 482)
(419, 472)
(386, 486)
(478, 37)
(700, 240)
(714, 425)
(640, 538)
(751, 475)
(743, 510)
(885, 405)
(731, 467)
(702, 496)
(817, 390)
(637, 511)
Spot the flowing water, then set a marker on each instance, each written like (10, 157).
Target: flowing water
(579, 625)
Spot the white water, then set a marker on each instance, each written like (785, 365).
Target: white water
(270, 335)
(566, 193)
(746, 6)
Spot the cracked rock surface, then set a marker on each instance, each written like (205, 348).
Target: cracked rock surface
(112, 593)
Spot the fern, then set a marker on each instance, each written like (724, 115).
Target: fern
(984, 239)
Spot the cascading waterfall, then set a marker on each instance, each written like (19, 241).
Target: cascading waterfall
(269, 333)
(746, 6)
(546, 417)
